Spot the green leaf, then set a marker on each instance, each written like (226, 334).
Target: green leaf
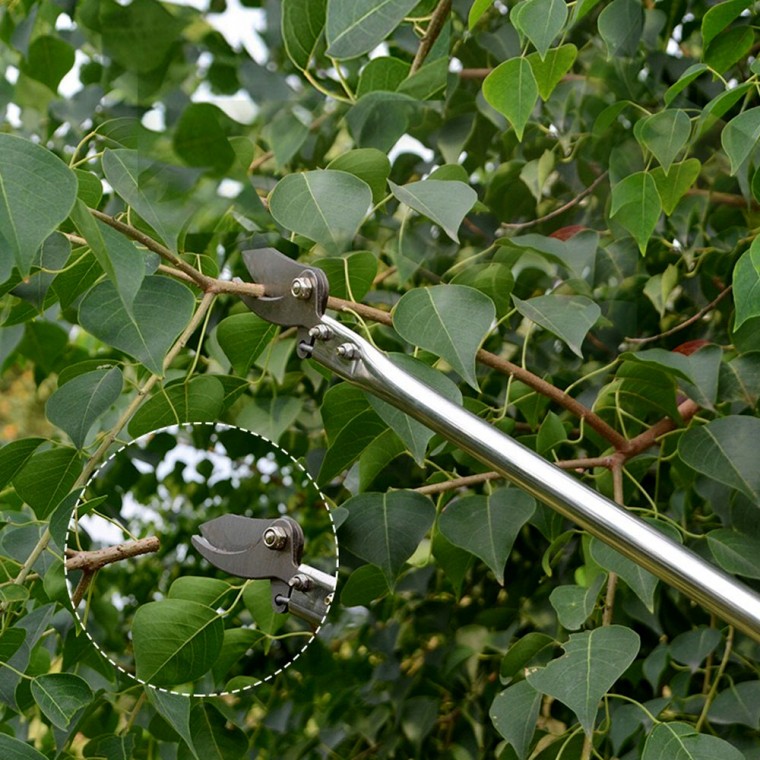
(746, 282)
(243, 337)
(377, 455)
(270, 417)
(75, 406)
(493, 280)
(13, 593)
(573, 604)
(161, 310)
(355, 27)
(386, 528)
(719, 16)
(514, 712)
(200, 137)
(592, 662)
(488, 526)
(694, 71)
(175, 641)
(414, 434)
(665, 134)
(567, 317)
(199, 399)
(37, 192)
(13, 749)
(364, 585)
(237, 641)
(350, 276)
(672, 186)
(739, 379)
(725, 450)
(60, 696)
(550, 69)
(156, 193)
(303, 22)
(175, 710)
(540, 21)
(693, 647)
(48, 60)
(368, 164)
(511, 89)
(621, 24)
(47, 478)
(740, 137)
(735, 552)
(478, 8)
(213, 737)
(444, 202)
(669, 741)
(636, 205)
(14, 455)
(10, 641)
(324, 205)
(383, 74)
(524, 652)
(350, 424)
(111, 747)
(378, 119)
(729, 47)
(640, 581)
(449, 320)
(740, 703)
(257, 597)
(208, 591)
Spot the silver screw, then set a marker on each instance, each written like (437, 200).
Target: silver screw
(300, 582)
(320, 332)
(301, 288)
(275, 538)
(349, 351)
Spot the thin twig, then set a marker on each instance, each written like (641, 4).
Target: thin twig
(724, 199)
(690, 321)
(716, 681)
(434, 29)
(612, 578)
(257, 163)
(94, 560)
(82, 586)
(559, 211)
(474, 73)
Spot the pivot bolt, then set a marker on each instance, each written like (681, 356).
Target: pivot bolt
(275, 538)
(320, 332)
(300, 582)
(302, 288)
(349, 351)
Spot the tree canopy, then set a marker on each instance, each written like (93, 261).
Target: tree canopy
(546, 211)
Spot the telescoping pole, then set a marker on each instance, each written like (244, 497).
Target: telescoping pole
(350, 356)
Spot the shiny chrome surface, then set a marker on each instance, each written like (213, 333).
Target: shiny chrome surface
(715, 590)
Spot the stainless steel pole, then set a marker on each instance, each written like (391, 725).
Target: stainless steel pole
(371, 370)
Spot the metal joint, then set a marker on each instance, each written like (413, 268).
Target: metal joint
(275, 538)
(302, 288)
(349, 351)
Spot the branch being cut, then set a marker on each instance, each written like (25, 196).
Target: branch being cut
(94, 560)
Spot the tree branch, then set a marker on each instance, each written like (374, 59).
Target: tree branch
(94, 560)
(690, 321)
(435, 27)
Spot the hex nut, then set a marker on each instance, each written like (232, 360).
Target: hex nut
(275, 538)
(302, 288)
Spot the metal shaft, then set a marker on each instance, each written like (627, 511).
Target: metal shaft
(715, 590)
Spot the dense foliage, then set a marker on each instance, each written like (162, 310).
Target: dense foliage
(547, 211)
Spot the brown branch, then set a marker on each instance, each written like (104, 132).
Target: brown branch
(92, 561)
(434, 29)
(257, 163)
(690, 321)
(725, 199)
(474, 73)
(559, 211)
(82, 586)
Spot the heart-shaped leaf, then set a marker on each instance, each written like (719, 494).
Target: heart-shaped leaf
(444, 202)
(550, 69)
(37, 192)
(568, 317)
(511, 89)
(47, 478)
(514, 712)
(746, 281)
(592, 662)
(303, 22)
(680, 740)
(487, 526)
(385, 528)
(60, 696)
(636, 205)
(665, 134)
(449, 320)
(740, 137)
(160, 311)
(540, 21)
(75, 406)
(175, 641)
(673, 185)
(324, 205)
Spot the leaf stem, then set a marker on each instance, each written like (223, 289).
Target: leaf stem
(716, 681)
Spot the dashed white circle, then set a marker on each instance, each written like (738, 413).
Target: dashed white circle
(270, 676)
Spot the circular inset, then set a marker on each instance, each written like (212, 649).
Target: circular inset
(201, 559)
